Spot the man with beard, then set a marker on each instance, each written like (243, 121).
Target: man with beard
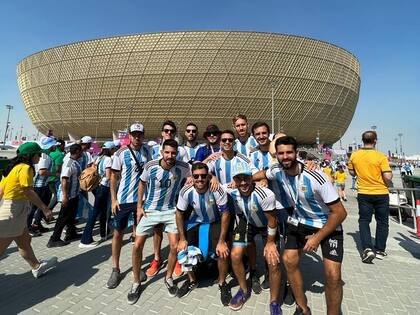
(164, 178)
(316, 221)
(245, 142)
(124, 182)
(169, 132)
(191, 146)
(207, 208)
(255, 215)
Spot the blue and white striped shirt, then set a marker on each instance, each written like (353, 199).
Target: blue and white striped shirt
(192, 151)
(71, 169)
(222, 168)
(163, 185)
(245, 148)
(311, 193)
(123, 161)
(45, 162)
(253, 206)
(181, 155)
(206, 206)
(84, 160)
(104, 163)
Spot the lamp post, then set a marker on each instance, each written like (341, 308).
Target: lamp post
(9, 108)
(274, 84)
(401, 151)
(396, 146)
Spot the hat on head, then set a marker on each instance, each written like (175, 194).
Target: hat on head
(211, 129)
(86, 140)
(241, 169)
(29, 148)
(108, 145)
(136, 128)
(47, 142)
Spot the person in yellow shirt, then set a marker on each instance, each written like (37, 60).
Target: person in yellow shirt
(374, 176)
(340, 177)
(16, 190)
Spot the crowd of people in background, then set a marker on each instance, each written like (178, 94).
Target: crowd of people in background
(211, 199)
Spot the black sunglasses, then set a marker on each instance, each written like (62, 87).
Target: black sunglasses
(168, 130)
(191, 131)
(202, 176)
(227, 140)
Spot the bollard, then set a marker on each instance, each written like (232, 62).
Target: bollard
(418, 217)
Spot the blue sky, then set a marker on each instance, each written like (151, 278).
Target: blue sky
(383, 35)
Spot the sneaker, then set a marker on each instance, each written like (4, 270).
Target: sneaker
(153, 268)
(172, 288)
(380, 254)
(368, 255)
(186, 288)
(90, 245)
(134, 293)
(288, 296)
(345, 199)
(178, 270)
(225, 294)
(132, 239)
(44, 266)
(239, 300)
(275, 309)
(299, 311)
(72, 237)
(265, 285)
(34, 232)
(40, 227)
(255, 284)
(114, 279)
(58, 243)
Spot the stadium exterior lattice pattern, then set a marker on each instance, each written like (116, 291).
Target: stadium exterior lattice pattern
(95, 87)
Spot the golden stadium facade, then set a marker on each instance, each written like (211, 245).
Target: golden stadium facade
(98, 86)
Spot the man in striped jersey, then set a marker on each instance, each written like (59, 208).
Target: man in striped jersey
(43, 171)
(207, 208)
(169, 132)
(127, 166)
(191, 145)
(255, 215)
(68, 194)
(316, 221)
(245, 142)
(164, 178)
(221, 168)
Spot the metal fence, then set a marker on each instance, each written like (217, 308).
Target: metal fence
(405, 205)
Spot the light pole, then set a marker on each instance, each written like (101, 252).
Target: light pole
(374, 127)
(396, 146)
(401, 151)
(9, 108)
(274, 84)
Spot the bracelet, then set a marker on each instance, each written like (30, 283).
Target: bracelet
(271, 231)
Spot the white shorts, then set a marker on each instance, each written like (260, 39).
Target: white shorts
(154, 218)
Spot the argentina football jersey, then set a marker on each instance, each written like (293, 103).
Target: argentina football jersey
(45, 162)
(180, 156)
(245, 148)
(192, 151)
(71, 169)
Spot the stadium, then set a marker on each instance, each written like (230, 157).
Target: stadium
(99, 86)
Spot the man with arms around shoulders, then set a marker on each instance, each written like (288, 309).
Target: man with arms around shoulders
(207, 208)
(127, 166)
(163, 178)
(191, 146)
(255, 215)
(316, 220)
(374, 176)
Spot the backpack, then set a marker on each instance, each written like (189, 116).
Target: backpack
(90, 178)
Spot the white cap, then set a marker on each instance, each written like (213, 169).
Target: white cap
(136, 127)
(86, 140)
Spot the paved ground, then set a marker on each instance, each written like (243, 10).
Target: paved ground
(77, 285)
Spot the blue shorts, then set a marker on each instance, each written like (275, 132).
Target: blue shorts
(123, 215)
(154, 218)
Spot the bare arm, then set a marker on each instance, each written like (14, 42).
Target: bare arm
(260, 175)
(140, 209)
(387, 177)
(44, 172)
(113, 189)
(271, 253)
(222, 250)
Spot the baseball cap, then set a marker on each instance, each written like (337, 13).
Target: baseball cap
(108, 145)
(211, 129)
(86, 140)
(241, 169)
(28, 148)
(47, 142)
(136, 127)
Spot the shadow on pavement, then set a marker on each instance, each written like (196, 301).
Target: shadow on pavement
(21, 292)
(409, 245)
(356, 238)
(8, 251)
(312, 268)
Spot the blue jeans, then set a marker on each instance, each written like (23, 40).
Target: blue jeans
(36, 214)
(377, 205)
(102, 199)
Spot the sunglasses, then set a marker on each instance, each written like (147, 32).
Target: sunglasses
(202, 176)
(230, 140)
(168, 130)
(191, 131)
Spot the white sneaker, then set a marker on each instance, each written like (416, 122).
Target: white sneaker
(91, 245)
(44, 266)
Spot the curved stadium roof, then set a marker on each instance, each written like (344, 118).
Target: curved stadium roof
(98, 86)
